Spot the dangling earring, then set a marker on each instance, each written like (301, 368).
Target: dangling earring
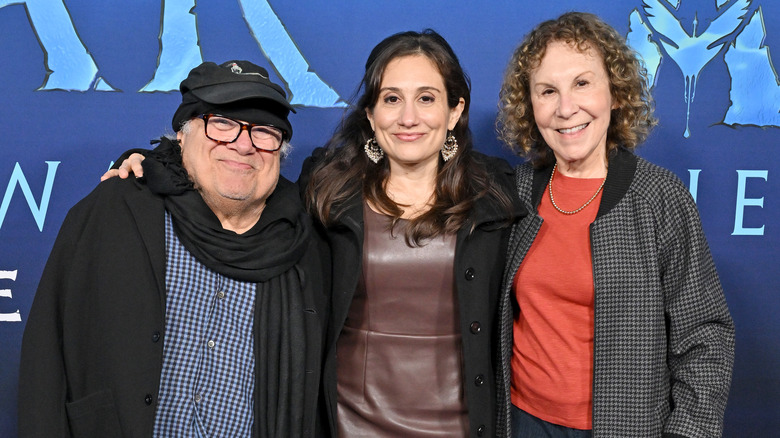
(374, 152)
(450, 147)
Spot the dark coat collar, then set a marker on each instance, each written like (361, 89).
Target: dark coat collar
(622, 167)
(485, 211)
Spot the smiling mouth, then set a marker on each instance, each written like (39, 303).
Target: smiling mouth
(408, 136)
(574, 129)
(237, 165)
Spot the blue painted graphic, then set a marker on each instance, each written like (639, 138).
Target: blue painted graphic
(69, 65)
(180, 52)
(755, 89)
(691, 52)
(305, 86)
(640, 39)
(179, 49)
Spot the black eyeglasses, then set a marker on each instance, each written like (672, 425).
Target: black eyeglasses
(226, 130)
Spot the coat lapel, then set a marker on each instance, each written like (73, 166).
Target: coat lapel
(347, 252)
(151, 228)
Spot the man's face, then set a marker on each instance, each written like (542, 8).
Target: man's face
(229, 176)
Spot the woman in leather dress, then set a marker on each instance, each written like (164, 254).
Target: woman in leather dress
(417, 222)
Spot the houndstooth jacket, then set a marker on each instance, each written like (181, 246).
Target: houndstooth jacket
(663, 336)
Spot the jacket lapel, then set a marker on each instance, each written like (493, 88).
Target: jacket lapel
(347, 252)
(151, 228)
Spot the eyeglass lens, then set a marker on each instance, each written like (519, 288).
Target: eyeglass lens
(227, 130)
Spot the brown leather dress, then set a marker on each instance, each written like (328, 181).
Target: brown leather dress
(399, 354)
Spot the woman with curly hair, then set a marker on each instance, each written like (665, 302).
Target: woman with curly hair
(614, 322)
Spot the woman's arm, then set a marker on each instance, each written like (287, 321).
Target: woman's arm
(700, 328)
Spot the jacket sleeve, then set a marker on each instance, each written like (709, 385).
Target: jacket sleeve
(700, 329)
(42, 379)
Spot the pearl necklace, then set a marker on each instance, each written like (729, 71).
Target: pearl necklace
(552, 199)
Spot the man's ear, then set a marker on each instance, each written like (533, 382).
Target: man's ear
(179, 137)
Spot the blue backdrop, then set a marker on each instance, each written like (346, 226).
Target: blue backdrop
(81, 81)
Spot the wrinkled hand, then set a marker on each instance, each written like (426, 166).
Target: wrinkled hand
(131, 165)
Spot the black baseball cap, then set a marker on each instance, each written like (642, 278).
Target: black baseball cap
(238, 89)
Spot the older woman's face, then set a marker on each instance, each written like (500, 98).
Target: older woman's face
(571, 99)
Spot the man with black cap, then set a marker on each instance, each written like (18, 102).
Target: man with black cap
(190, 302)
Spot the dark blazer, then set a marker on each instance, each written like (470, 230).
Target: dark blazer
(479, 264)
(92, 349)
(664, 339)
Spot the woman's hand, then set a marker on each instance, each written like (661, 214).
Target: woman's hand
(131, 165)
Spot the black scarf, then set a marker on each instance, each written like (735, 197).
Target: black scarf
(267, 254)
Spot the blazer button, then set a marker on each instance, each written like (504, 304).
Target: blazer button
(481, 430)
(469, 274)
(148, 399)
(155, 336)
(475, 327)
(479, 380)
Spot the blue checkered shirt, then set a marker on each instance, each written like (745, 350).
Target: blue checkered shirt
(207, 381)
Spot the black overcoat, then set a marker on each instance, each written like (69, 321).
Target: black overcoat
(93, 345)
(479, 263)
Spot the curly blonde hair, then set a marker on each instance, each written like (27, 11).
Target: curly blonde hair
(631, 120)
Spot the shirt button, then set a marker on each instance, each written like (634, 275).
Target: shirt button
(479, 380)
(155, 336)
(211, 344)
(475, 327)
(197, 398)
(469, 274)
(481, 430)
(221, 295)
(148, 399)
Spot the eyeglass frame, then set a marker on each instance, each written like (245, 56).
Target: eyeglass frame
(242, 126)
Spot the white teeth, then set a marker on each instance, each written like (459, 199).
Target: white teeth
(574, 129)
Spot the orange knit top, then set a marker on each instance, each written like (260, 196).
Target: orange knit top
(552, 360)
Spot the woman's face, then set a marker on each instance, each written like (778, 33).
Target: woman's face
(571, 99)
(410, 118)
